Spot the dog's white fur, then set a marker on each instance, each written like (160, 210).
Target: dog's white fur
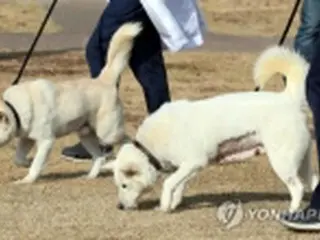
(186, 134)
(49, 110)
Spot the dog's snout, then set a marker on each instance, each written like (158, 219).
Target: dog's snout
(120, 206)
(257, 89)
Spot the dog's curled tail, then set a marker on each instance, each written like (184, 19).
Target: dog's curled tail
(279, 59)
(119, 51)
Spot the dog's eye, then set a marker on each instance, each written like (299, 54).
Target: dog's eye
(124, 185)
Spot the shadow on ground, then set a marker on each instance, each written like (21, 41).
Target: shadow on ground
(211, 200)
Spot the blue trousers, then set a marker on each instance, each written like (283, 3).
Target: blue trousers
(146, 63)
(313, 97)
(308, 31)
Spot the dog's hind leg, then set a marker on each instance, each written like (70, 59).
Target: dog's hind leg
(110, 129)
(43, 150)
(291, 179)
(24, 146)
(306, 172)
(91, 143)
(295, 188)
(288, 173)
(285, 160)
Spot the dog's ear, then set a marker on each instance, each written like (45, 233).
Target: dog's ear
(109, 166)
(4, 119)
(130, 171)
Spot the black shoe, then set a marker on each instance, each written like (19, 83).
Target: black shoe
(305, 220)
(78, 153)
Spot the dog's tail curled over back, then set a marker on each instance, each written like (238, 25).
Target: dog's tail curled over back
(119, 52)
(279, 59)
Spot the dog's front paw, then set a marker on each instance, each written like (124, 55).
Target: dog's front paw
(89, 176)
(176, 201)
(157, 208)
(24, 181)
(174, 205)
(162, 209)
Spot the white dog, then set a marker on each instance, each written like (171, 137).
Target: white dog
(183, 135)
(41, 111)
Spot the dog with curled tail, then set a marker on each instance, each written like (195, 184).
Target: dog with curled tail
(182, 136)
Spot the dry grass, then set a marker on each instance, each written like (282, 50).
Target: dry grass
(64, 206)
(245, 17)
(23, 16)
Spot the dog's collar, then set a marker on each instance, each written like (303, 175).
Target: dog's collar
(15, 114)
(151, 158)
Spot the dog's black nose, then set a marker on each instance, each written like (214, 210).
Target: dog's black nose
(257, 89)
(120, 206)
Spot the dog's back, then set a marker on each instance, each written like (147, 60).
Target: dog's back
(63, 107)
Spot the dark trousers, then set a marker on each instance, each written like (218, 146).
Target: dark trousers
(313, 97)
(309, 29)
(146, 63)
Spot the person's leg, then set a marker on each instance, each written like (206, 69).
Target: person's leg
(95, 51)
(309, 28)
(117, 13)
(315, 199)
(313, 93)
(309, 218)
(148, 66)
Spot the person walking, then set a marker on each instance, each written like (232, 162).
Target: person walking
(147, 62)
(309, 218)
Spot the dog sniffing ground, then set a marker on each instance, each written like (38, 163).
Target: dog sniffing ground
(61, 205)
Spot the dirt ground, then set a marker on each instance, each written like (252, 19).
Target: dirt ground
(23, 16)
(246, 17)
(62, 205)
(235, 17)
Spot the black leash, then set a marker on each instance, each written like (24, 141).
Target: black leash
(285, 33)
(289, 23)
(287, 28)
(27, 57)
